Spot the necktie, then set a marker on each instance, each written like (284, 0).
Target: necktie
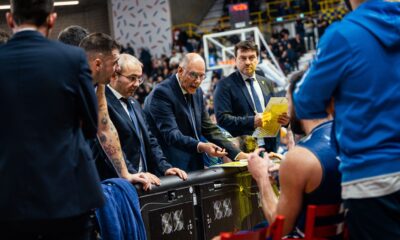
(256, 100)
(188, 98)
(137, 129)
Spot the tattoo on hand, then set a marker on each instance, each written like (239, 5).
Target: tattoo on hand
(110, 150)
(103, 138)
(117, 164)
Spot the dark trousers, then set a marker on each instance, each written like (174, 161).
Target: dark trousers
(76, 228)
(374, 218)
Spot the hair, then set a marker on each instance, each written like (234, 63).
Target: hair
(246, 46)
(4, 36)
(128, 60)
(73, 35)
(99, 43)
(294, 79)
(295, 123)
(31, 11)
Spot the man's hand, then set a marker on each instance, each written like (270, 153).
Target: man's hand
(211, 149)
(153, 179)
(139, 178)
(257, 166)
(176, 171)
(258, 120)
(284, 119)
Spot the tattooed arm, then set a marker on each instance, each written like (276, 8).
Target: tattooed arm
(109, 141)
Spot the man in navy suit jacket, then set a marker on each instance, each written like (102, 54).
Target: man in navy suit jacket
(177, 116)
(48, 180)
(141, 148)
(239, 101)
(103, 53)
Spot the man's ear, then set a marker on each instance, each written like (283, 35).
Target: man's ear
(98, 64)
(51, 20)
(10, 20)
(331, 107)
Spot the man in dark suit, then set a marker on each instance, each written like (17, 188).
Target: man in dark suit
(48, 179)
(176, 113)
(240, 98)
(139, 145)
(103, 53)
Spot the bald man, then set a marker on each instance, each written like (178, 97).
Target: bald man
(177, 116)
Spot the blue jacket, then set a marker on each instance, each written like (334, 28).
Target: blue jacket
(358, 63)
(120, 217)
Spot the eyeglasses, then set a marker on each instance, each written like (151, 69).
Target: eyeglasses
(133, 78)
(195, 75)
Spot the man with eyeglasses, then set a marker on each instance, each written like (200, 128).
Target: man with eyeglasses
(240, 98)
(139, 145)
(103, 53)
(177, 116)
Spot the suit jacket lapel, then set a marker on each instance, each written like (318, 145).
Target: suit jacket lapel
(116, 104)
(197, 110)
(179, 95)
(139, 116)
(242, 85)
(264, 88)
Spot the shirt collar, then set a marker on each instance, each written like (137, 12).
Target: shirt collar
(25, 29)
(115, 92)
(179, 82)
(245, 77)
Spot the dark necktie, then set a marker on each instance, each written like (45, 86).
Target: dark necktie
(188, 98)
(256, 100)
(137, 129)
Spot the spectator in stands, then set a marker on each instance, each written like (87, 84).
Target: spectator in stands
(284, 37)
(240, 98)
(103, 54)
(283, 59)
(355, 64)
(322, 24)
(309, 173)
(177, 117)
(139, 145)
(299, 27)
(292, 57)
(129, 49)
(309, 30)
(48, 179)
(4, 36)
(73, 35)
(145, 58)
(183, 40)
(298, 45)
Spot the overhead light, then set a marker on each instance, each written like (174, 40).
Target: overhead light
(66, 3)
(61, 3)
